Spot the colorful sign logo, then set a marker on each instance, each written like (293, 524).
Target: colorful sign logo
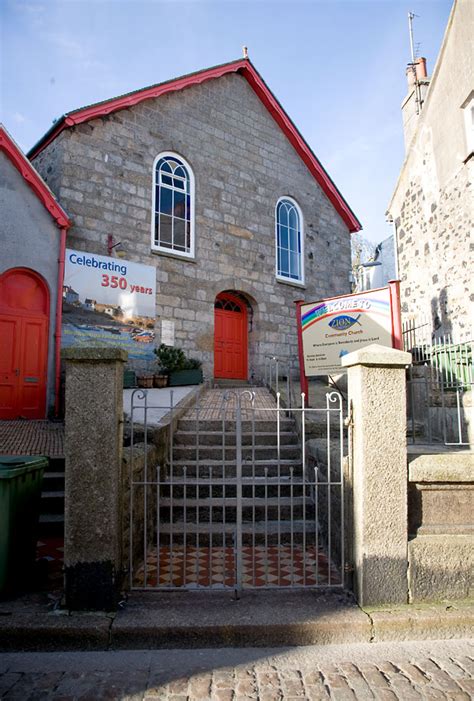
(343, 322)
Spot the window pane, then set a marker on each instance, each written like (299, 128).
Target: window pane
(293, 218)
(179, 203)
(284, 263)
(293, 240)
(181, 172)
(163, 165)
(179, 234)
(165, 230)
(188, 235)
(284, 237)
(178, 183)
(166, 205)
(167, 180)
(294, 265)
(282, 214)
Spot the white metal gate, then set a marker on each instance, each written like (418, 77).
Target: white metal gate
(247, 494)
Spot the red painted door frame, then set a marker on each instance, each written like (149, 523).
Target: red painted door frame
(230, 339)
(24, 328)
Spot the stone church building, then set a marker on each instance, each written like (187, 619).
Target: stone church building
(206, 178)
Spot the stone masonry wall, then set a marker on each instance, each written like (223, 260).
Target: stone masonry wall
(435, 253)
(432, 205)
(242, 163)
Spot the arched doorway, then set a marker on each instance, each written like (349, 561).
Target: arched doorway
(24, 325)
(230, 337)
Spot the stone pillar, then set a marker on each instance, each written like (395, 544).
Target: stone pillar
(376, 381)
(93, 479)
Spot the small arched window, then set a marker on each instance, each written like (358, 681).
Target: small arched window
(173, 206)
(289, 241)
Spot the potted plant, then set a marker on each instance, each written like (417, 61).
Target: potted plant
(180, 370)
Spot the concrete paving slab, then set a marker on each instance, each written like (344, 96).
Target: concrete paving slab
(215, 619)
(423, 622)
(158, 402)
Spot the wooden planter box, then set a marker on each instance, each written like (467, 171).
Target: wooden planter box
(145, 382)
(185, 377)
(160, 381)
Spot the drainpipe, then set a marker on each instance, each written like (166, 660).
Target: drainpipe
(59, 316)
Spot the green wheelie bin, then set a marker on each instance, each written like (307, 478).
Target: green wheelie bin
(21, 478)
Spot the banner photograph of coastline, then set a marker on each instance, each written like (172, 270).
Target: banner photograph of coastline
(109, 302)
(331, 328)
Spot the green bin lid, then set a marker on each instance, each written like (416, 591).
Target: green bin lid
(14, 465)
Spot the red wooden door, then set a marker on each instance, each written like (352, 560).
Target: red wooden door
(230, 338)
(24, 322)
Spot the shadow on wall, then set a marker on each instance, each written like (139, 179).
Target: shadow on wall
(442, 325)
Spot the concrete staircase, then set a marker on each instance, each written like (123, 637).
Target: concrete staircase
(51, 522)
(199, 498)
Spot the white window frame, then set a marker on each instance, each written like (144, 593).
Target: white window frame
(282, 278)
(162, 249)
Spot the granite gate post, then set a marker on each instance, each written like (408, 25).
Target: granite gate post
(377, 396)
(93, 479)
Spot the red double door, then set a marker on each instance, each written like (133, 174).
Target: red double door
(230, 337)
(24, 325)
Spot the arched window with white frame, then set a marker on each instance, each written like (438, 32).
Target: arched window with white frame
(289, 241)
(173, 206)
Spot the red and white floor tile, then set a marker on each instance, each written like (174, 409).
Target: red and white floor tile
(214, 567)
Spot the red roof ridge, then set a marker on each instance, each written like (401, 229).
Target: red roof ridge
(256, 82)
(33, 178)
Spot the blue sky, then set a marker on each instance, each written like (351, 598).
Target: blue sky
(337, 67)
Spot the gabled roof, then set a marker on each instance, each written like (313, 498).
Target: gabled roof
(33, 178)
(245, 68)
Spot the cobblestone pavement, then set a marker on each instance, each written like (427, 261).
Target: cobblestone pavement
(387, 671)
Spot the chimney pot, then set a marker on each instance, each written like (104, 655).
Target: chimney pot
(419, 72)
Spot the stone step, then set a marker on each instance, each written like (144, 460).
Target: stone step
(50, 525)
(273, 531)
(257, 510)
(52, 502)
(209, 438)
(216, 425)
(218, 453)
(53, 481)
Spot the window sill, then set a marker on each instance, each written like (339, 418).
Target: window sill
(291, 283)
(175, 256)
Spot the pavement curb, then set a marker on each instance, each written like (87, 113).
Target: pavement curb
(201, 620)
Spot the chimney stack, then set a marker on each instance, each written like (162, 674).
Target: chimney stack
(418, 83)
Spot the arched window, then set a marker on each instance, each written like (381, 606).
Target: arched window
(289, 241)
(173, 206)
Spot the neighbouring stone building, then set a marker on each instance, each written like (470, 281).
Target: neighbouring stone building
(433, 204)
(32, 241)
(206, 178)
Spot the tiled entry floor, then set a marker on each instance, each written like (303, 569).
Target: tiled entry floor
(214, 567)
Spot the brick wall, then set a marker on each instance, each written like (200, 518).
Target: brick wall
(242, 163)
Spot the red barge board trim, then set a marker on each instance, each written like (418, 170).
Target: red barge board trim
(245, 68)
(34, 180)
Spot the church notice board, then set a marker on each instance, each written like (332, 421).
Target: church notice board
(331, 328)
